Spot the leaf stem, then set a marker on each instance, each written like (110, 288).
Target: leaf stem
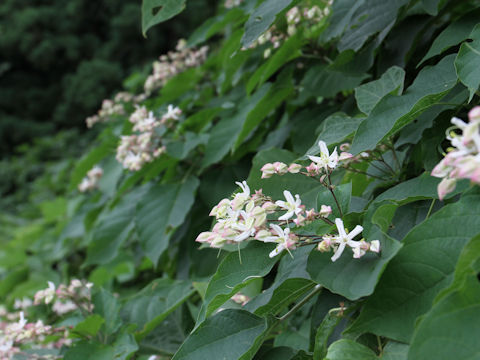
(430, 209)
(333, 194)
(314, 292)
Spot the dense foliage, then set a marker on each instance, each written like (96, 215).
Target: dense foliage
(325, 158)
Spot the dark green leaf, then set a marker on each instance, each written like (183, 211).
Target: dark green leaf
(228, 335)
(90, 326)
(162, 209)
(349, 350)
(394, 112)
(157, 11)
(467, 62)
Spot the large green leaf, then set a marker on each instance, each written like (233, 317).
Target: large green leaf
(395, 351)
(342, 13)
(149, 307)
(349, 350)
(157, 11)
(112, 228)
(335, 128)
(291, 281)
(452, 35)
(394, 112)
(448, 330)
(467, 62)
(228, 335)
(160, 211)
(235, 272)
(352, 278)
(369, 94)
(422, 268)
(373, 16)
(261, 19)
(225, 133)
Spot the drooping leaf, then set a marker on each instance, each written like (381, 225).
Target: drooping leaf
(349, 350)
(452, 35)
(228, 335)
(372, 17)
(467, 63)
(352, 278)
(156, 11)
(161, 210)
(394, 112)
(429, 255)
(149, 307)
(235, 272)
(112, 228)
(261, 19)
(369, 94)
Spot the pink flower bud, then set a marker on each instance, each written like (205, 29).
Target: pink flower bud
(294, 168)
(312, 169)
(445, 187)
(474, 114)
(325, 210)
(280, 167)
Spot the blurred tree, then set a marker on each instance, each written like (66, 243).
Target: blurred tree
(59, 59)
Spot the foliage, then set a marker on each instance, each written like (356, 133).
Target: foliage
(341, 114)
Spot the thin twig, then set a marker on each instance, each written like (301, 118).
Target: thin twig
(314, 292)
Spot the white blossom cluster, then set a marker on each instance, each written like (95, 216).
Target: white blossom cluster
(297, 16)
(462, 160)
(90, 181)
(110, 108)
(135, 150)
(245, 217)
(173, 63)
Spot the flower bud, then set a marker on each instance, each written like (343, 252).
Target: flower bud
(294, 168)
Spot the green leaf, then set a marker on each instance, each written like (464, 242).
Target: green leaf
(225, 133)
(124, 345)
(149, 307)
(291, 279)
(324, 331)
(429, 255)
(261, 19)
(467, 63)
(335, 129)
(181, 148)
(395, 351)
(349, 350)
(235, 272)
(452, 35)
(287, 52)
(342, 13)
(156, 11)
(89, 351)
(431, 6)
(161, 210)
(448, 330)
(342, 192)
(92, 158)
(371, 17)
(90, 326)
(352, 278)
(282, 89)
(107, 306)
(228, 335)
(369, 94)
(112, 229)
(394, 112)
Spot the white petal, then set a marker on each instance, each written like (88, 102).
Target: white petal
(277, 229)
(357, 230)
(323, 148)
(286, 216)
(276, 251)
(340, 228)
(288, 196)
(315, 159)
(339, 252)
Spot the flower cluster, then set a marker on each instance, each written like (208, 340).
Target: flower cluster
(245, 217)
(462, 160)
(67, 298)
(339, 242)
(90, 181)
(110, 108)
(16, 332)
(322, 164)
(229, 4)
(174, 63)
(295, 17)
(136, 150)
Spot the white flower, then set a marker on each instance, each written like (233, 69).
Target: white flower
(293, 206)
(241, 198)
(343, 239)
(282, 238)
(325, 160)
